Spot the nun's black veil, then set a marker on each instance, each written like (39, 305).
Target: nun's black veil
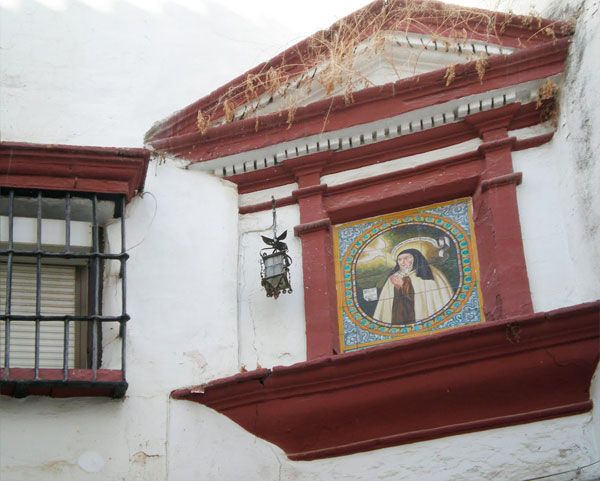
(420, 264)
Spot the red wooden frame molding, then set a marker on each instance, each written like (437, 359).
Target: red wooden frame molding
(516, 31)
(21, 383)
(486, 175)
(432, 139)
(368, 105)
(104, 170)
(520, 370)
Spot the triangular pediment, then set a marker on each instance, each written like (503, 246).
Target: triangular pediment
(400, 49)
(389, 57)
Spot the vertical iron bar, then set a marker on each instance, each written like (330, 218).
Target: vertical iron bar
(67, 223)
(123, 325)
(9, 273)
(66, 352)
(38, 288)
(67, 249)
(96, 281)
(274, 219)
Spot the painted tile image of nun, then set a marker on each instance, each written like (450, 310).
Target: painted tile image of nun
(414, 289)
(411, 281)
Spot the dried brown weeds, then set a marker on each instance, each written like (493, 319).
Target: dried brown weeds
(328, 59)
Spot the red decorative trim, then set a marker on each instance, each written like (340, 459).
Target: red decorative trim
(437, 181)
(491, 120)
(331, 162)
(369, 104)
(533, 141)
(514, 178)
(503, 269)
(317, 252)
(516, 32)
(302, 229)
(519, 370)
(21, 382)
(498, 144)
(308, 191)
(281, 202)
(309, 166)
(262, 179)
(437, 432)
(73, 168)
(523, 144)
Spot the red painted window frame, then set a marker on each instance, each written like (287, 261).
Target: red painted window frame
(68, 168)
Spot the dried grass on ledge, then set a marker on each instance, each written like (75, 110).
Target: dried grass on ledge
(334, 50)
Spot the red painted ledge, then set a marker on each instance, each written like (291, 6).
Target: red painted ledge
(80, 382)
(495, 374)
(513, 178)
(105, 170)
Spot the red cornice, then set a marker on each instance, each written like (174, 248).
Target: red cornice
(514, 178)
(281, 202)
(369, 104)
(533, 141)
(309, 227)
(403, 146)
(73, 168)
(494, 374)
(374, 181)
(511, 30)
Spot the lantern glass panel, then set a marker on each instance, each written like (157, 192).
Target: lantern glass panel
(274, 265)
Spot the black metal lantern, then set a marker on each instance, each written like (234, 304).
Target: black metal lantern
(275, 262)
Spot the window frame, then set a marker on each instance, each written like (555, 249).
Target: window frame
(94, 259)
(81, 171)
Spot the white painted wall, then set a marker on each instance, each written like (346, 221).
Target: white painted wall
(508, 454)
(272, 332)
(101, 72)
(102, 76)
(182, 298)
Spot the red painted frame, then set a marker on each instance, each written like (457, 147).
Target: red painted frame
(368, 105)
(485, 175)
(456, 381)
(22, 382)
(104, 170)
(521, 369)
(180, 130)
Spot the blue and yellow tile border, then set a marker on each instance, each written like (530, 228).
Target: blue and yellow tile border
(359, 330)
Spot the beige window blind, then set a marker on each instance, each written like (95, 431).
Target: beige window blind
(58, 297)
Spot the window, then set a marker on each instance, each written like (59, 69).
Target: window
(54, 254)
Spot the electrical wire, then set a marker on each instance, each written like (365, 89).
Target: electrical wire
(577, 471)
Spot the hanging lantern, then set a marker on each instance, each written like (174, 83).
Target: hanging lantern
(275, 262)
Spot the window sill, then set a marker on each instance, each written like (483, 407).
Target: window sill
(80, 383)
(500, 373)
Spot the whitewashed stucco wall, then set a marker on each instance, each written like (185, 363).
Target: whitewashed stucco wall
(101, 72)
(272, 331)
(84, 81)
(182, 298)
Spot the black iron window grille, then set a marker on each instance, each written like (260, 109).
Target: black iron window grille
(32, 297)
